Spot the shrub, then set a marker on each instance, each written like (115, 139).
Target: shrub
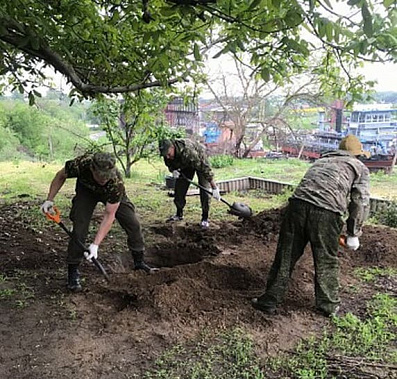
(388, 216)
(220, 161)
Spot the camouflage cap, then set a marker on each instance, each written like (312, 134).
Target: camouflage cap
(164, 146)
(104, 164)
(353, 145)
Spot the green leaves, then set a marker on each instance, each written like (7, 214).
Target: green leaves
(293, 18)
(109, 48)
(328, 29)
(31, 98)
(132, 124)
(196, 51)
(367, 20)
(354, 2)
(265, 74)
(388, 3)
(225, 50)
(254, 4)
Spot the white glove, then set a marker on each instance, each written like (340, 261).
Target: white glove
(216, 193)
(176, 174)
(352, 243)
(93, 252)
(47, 207)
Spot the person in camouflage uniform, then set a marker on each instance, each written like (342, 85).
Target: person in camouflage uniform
(337, 183)
(98, 180)
(185, 157)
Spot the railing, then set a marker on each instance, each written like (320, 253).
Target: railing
(273, 187)
(250, 182)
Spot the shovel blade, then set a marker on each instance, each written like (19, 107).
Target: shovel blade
(240, 210)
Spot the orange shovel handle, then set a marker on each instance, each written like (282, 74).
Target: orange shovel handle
(56, 216)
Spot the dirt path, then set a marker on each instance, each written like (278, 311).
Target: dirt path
(117, 330)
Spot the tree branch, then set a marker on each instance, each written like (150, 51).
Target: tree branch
(18, 37)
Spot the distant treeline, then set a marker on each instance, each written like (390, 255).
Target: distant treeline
(54, 130)
(50, 130)
(386, 97)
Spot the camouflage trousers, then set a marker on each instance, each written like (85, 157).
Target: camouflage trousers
(181, 188)
(303, 223)
(83, 205)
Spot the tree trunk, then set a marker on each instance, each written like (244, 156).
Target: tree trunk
(51, 147)
(301, 150)
(393, 162)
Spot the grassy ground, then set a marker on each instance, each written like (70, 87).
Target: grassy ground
(27, 179)
(350, 346)
(366, 343)
(22, 179)
(23, 175)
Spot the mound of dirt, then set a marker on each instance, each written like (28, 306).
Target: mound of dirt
(266, 223)
(206, 281)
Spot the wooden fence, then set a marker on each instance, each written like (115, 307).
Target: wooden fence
(270, 186)
(275, 187)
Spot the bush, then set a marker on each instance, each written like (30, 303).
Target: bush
(36, 133)
(220, 161)
(388, 216)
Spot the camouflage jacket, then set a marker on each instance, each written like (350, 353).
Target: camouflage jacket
(338, 182)
(190, 154)
(80, 168)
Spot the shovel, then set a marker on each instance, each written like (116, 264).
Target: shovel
(342, 240)
(57, 218)
(236, 209)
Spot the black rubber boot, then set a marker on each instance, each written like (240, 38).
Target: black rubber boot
(267, 309)
(140, 264)
(174, 218)
(327, 313)
(74, 284)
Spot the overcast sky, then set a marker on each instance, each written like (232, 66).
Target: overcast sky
(385, 74)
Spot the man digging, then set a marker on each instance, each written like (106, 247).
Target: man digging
(98, 180)
(184, 158)
(337, 183)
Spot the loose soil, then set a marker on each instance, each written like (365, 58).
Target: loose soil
(205, 282)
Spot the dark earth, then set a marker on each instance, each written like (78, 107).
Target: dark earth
(206, 280)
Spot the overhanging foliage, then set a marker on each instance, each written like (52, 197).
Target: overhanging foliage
(118, 46)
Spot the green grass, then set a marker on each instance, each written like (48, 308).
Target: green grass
(6, 293)
(283, 170)
(16, 290)
(384, 185)
(369, 338)
(349, 346)
(229, 355)
(370, 274)
(30, 181)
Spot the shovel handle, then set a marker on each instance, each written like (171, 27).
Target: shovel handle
(56, 216)
(204, 189)
(100, 268)
(342, 240)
